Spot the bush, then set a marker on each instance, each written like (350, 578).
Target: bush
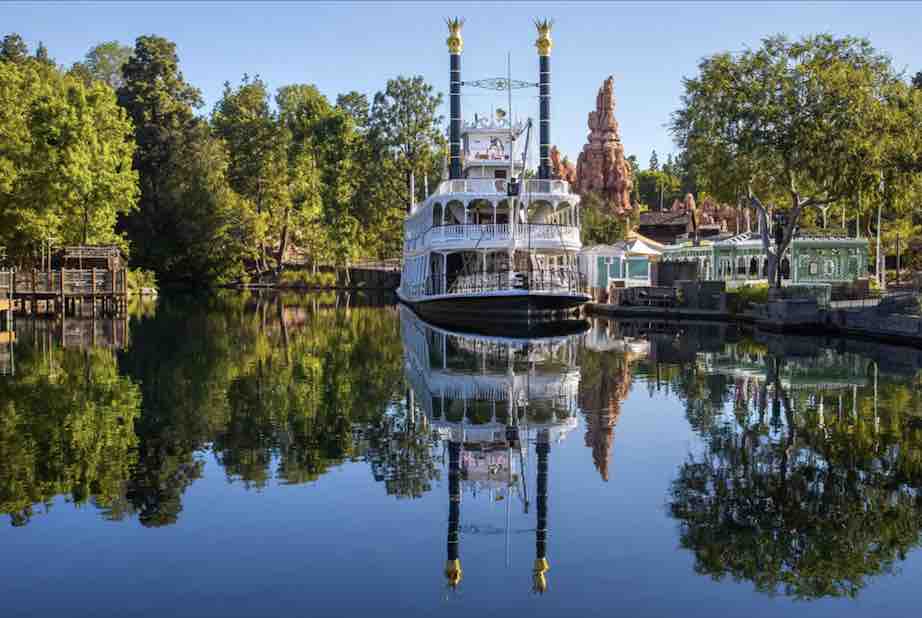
(740, 299)
(306, 279)
(141, 281)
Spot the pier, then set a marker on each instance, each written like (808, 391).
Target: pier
(80, 280)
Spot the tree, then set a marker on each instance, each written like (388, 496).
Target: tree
(356, 105)
(405, 122)
(917, 80)
(104, 62)
(654, 162)
(13, 49)
(41, 54)
(598, 225)
(323, 137)
(794, 124)
(161, 104)
(65, 167)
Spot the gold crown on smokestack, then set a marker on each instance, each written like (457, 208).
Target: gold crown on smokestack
(454, 40)
(544, 42)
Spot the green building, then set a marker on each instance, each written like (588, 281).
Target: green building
(809, 259)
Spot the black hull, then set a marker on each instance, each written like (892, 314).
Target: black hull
(505, 316)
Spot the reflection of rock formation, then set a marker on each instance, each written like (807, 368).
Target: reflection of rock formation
(602, 165)
(600, 401)
(562, 169)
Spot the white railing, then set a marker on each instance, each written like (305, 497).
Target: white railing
(555, 280)
(497, 186)
(485, 233)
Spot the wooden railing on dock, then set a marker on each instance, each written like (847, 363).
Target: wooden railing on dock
(67, 283)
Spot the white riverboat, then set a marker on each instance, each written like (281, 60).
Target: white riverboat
(492, 243)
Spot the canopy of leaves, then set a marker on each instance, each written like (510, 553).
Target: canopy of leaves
(65, 160)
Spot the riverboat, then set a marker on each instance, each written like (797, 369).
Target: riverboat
(494, 242)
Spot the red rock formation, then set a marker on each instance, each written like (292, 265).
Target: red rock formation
(602, 165)
(562, 169)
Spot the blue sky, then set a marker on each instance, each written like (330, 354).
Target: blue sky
(648, 47)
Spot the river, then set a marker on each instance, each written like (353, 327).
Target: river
(235, 455)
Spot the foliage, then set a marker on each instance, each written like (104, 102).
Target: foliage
(307, 279)
(104, 63)
(65, 160)
(141, 280)
(598, 226)
(741, 299)
(793, 125)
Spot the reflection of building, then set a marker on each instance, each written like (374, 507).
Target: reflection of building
(495, 402)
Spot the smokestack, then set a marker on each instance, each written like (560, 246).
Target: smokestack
(539, 577)
(455, 45)
(544, 45)
(453, 571)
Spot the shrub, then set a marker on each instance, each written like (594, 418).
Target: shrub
(306, 279)
(140, 280)
(740, 299)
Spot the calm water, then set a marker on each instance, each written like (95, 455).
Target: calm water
(321, 456)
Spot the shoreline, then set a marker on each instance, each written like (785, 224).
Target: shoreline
(834, 322)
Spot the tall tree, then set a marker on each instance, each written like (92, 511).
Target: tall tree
(917, 80)
(13, 49)
(794, 124)
(65, 160)
(41, 54)
(104, 62)
(356, 105)
(404, 120)
(161, 104)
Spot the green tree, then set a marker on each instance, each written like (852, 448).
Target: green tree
(598, 226)
(65, 167)
(41, 54)
(356, 105)
(794, 124)
(13, 49)
(327, 135)
(404, 120)
(917, 80)
(104, 62)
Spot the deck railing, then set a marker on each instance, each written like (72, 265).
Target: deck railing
(67, 282)
(489, 232)
(495, 186)
(559, 280)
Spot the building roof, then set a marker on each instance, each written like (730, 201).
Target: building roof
(617, 249)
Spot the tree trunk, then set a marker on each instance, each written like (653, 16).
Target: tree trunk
(283, 240)
(881, 264)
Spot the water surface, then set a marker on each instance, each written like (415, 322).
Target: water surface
(330, 456)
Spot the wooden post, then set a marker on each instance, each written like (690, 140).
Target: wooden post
(93, 289)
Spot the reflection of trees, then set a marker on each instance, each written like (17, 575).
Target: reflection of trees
(66, 428)
(799, 498)
(400, 453)
(274, 390)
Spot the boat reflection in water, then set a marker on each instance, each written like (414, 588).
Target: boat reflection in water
(492, 400)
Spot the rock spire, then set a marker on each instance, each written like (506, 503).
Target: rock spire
(602, 166)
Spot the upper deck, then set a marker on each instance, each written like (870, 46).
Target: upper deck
(478, 211)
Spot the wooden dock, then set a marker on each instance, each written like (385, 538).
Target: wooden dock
(65, 291)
